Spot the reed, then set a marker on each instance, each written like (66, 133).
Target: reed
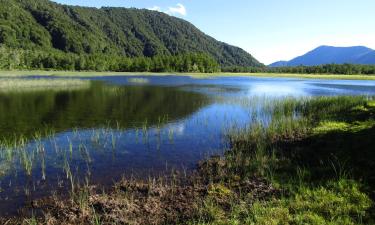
(26, 84)
(260, 178)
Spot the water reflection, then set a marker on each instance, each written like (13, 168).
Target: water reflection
(277, 90)
(101, 105)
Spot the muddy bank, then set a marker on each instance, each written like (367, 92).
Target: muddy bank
(163, 200)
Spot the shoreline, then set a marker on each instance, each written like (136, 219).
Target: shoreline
(22, 73)
(251, 183)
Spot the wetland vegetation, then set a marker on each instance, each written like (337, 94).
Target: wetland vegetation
(8, 85)
(219, 151)
(82, 74)
(297, 165)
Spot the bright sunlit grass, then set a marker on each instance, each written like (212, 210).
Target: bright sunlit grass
(18, 73)
(22, 85)
(327, 126)
(337, 203)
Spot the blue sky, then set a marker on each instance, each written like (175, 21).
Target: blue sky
(270, 30)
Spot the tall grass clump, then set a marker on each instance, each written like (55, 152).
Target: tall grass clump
(284, 121)
(312, 192)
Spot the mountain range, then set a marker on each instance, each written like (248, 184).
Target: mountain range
(48, 26)
(331, 55)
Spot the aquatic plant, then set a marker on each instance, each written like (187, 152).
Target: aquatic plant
(27, 161)
(27, 84)
(138, 80)
(113, 140)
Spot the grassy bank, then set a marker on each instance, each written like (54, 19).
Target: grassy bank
(196, 75)
(318, 152)
(308, 161)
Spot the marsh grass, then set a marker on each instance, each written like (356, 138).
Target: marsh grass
(339, 202)
(138, 80)
(194, 75)
(321, 186)
(288, 166)
(27, 154)
(41, 84)
(292, 120)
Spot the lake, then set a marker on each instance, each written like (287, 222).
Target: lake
(132, 126)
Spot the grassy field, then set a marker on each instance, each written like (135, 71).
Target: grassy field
(195, 75)
(312, 163)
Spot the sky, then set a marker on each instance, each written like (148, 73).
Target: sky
(270, 30)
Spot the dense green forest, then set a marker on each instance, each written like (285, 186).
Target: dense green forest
(54, 29)
(321, 69)
(11, 59)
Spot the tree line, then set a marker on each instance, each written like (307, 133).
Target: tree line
(321, 69)
(11, 59)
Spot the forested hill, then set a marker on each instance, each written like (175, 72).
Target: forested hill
(43, 25)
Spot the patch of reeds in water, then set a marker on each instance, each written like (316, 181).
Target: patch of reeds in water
(25, 84)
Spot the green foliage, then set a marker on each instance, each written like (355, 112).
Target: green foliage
(309, 148)
(346, 69)
(327, 69)
(36, 59)
(339, 202)
(45, 26)
(327, 126)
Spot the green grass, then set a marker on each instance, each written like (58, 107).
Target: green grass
(334, 126)
(195, 75)
(329, 126)
(336, 203)
(26, 85)
(318, 151)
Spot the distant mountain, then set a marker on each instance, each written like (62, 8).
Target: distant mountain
(368, 58)
(279, 64)
(47, 26)
(330, 54)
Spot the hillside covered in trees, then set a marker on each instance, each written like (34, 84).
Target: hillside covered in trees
(61, 34)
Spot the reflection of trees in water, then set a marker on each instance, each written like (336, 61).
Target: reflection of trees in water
(36, 166)
(100, 105)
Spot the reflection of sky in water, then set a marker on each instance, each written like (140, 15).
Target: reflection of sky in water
(180, 143)
(276, 90)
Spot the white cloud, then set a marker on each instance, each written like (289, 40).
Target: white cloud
(179, 9)
(155, 8)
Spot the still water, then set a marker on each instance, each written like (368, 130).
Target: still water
(129, 126)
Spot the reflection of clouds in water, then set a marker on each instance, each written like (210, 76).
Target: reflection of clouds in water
(138, 80)
(276, 90)
(178, 129)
